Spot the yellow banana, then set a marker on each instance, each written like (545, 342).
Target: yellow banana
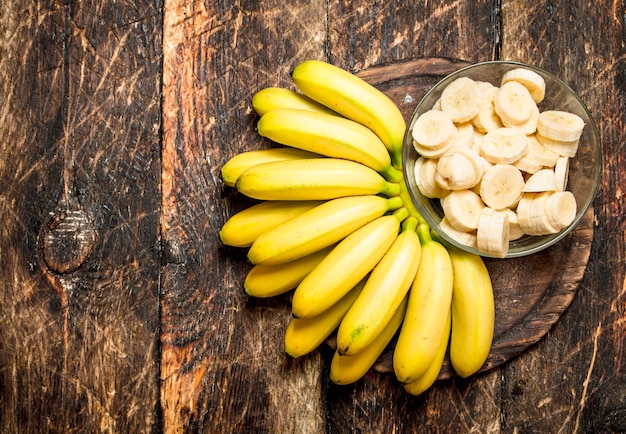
(240, 162)
(472, 312)
(319, 227)
(244, 227)
(274, 98)
(328, 135)
(351, 260)
(425, 319)
(424, 382)
(313, 179)
(303, 335)
(385, 289)
(264, 281)
(355, 99)
(348, 369)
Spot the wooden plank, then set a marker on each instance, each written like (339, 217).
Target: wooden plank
(584, 353)
(223, 365)
(79, 192)
(365, 34)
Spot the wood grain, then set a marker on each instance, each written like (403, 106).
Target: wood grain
(79, 192)
(116, 118)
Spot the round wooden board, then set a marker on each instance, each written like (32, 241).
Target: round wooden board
(530, 292)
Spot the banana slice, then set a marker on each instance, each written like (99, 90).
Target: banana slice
(532, 81)
(463, 209)
(464, 238)
(433, 133)
(515, 232)
(465, 134)
(560, 147)
(513, 103)
(501, 186)
(560, 209)
(487, 119)
(461, 99)
(459, 170)
(543, 180)
(560, 125)
(530, 126)
(561, 172)
(531, 214)
(527, 165)
(504, 145)
(539, 153)
(425, 169)
(492, 235)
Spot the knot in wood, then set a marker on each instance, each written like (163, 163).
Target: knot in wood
(67, 240)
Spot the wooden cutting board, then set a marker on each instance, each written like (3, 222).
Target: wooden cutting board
(530, 292)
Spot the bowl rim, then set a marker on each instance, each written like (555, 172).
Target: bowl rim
(598, 154)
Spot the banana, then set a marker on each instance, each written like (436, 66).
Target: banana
(514, 104)
(304, 335)
(240, 162)
(319, 227)
(425, 169)
(542, 180)
(274, 98)
(515, 232)
(567, 148)
(492, 235)
(465, 238)
(539, 153)
(531, 214)
(560, 209)
(423, 383)
(461, 99)
(264, 281)
(465, 134)
(504, 145)
(244, 227)
(433, 133)
(383, 293)
(537, 157)
(501, 186)
(560, 125)
(487, 119)
(462, 209)
(473, 312)
(531, 80)
(349, 369)
(313, 179)
(329, 135)
(460, 169)
(355, 99)
(561, 173)
(530, 126)
(351, 260)
(426, 314)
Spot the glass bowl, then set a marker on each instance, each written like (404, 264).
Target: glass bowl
(585, 168)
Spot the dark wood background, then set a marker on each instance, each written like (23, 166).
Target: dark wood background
(120, 310)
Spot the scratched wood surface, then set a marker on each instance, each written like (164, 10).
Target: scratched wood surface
(122, 312)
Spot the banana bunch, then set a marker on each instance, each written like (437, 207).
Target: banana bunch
(497, 164)
(335, 226)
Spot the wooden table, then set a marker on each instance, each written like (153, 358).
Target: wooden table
(122, 312)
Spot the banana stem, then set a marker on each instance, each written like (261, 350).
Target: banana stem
(410, 224)
(423, 232)
(392, 174)
(401, 213)
(396, 156)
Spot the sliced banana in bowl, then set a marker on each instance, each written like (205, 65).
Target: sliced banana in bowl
(502, 159)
